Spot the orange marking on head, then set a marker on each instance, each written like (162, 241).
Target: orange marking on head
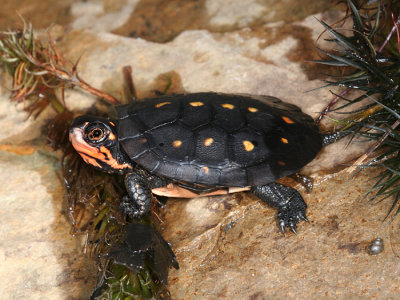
(112, 161)
(89, 160)
(112, 123)
(287, 120)
(161, 104)
(81, 146)
(228, 106)
(91, 153)
(285, 141)
(198, 103)
(111, 136)
(252, 109)
(281, 163)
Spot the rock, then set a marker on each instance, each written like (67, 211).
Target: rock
(39, 258)
(230, 247)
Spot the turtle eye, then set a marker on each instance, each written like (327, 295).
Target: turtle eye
(96, 135)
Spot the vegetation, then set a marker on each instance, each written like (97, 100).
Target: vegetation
(367, 58)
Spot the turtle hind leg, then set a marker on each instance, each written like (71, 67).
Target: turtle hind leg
(138, 201)
(290, 204)
(304, 180)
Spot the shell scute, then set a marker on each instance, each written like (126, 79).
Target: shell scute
(215, 139)
(234, 176)
(195, 115)
(187, 171)
(149, 159)
(208, 175)
(158, 113)
(248, 148)
(214, 152)
(253, 173)
(227, 114)
(172, 142)
(131, 126)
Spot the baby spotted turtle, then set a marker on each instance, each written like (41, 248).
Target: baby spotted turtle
(203, 144)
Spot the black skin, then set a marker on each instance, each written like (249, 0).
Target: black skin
(290, 204)
(304, 180)
(139, 183)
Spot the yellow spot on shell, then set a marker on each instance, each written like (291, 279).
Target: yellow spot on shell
(208, 142)
(283, 140)
(252, 109)
(111, 137)
(287, 120)
(198, 103)
(177, 143)
(161, 104)
(248, 146)
(228, 106)
(205, 169)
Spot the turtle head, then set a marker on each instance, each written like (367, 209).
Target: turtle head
(95, 139)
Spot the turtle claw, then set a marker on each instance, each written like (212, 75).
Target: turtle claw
(286, 220)
(293, 228)
(282, 226)
(303, 217)
(291, 206)
(291, 214)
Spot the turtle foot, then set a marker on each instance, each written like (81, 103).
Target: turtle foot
(129, 208)
(290, 214)
(290, 204)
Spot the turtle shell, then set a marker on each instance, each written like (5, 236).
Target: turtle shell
(218, 139)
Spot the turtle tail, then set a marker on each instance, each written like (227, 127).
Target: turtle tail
(330, 138)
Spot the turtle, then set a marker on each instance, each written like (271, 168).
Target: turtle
(203, 144)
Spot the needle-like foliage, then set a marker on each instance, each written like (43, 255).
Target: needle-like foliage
(368, 57)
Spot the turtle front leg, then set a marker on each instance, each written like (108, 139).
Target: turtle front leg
(138, 201)
(290, 204)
